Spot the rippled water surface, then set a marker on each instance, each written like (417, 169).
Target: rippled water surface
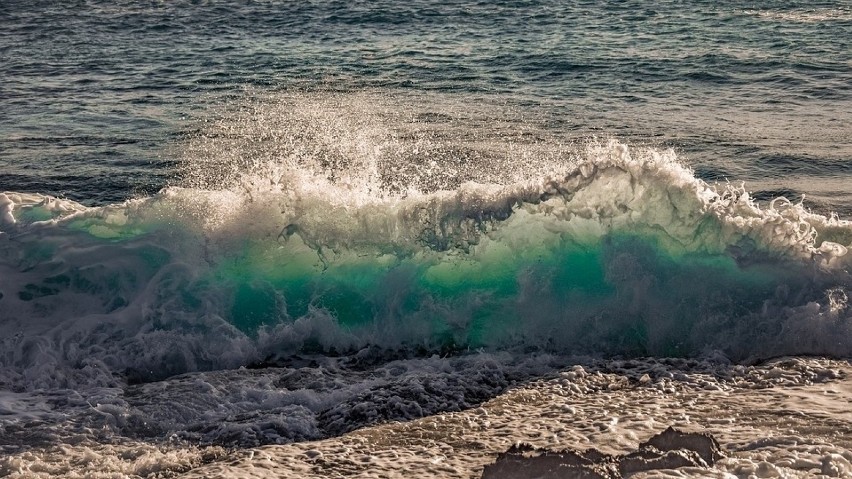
(100, 98)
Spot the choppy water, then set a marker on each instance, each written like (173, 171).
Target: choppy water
(96, 95)
(376, 198)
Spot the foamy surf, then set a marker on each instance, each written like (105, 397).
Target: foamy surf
(604, 258)
(787, 418)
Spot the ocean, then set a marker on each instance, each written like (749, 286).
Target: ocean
(363, 239)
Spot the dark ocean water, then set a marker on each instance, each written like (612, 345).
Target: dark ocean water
(256, 222)
(99, 97)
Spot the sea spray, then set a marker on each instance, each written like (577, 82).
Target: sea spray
(625, 253)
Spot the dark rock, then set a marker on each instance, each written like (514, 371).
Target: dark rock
(671, 449)
(651, 460)
(525, 461)
(671, 439)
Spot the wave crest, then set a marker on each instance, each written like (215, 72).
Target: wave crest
(623, 252)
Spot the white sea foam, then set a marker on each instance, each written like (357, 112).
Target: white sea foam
(91, 292)
(786, 418)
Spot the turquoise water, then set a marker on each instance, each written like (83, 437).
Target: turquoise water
(626, 253)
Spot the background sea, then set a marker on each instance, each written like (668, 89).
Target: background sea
(237, 223)
(99, 97)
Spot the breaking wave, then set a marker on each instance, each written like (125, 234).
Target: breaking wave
(622, 253)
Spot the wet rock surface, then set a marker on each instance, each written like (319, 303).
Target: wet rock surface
(670, 449)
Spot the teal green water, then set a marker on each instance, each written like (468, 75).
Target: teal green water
(625, 294)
